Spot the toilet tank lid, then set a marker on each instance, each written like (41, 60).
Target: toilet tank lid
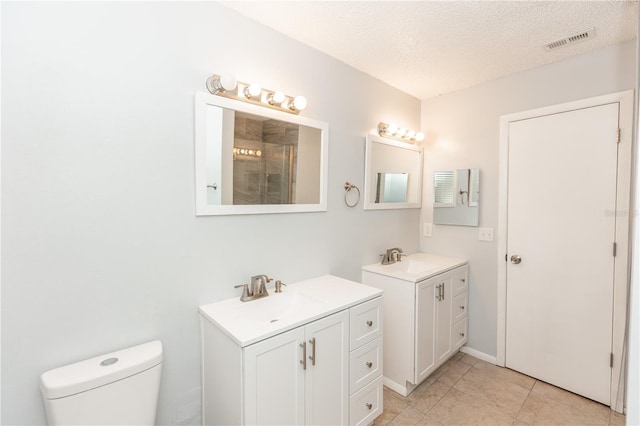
(99, 371)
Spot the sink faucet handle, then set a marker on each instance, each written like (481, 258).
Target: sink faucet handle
(245, 291)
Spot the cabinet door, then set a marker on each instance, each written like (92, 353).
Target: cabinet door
(327, 374)
(274, 380)
(444, 325)
(425, 320)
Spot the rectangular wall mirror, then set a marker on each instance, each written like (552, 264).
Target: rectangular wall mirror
(456, 197)
(393, 174)
(253, 160)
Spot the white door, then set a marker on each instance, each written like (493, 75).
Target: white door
(327, 374)
(274, 380)
(561, 225)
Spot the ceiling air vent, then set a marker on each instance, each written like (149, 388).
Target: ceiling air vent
(590, 33)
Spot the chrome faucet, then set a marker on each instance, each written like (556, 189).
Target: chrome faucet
(393, 255)
(257, 290)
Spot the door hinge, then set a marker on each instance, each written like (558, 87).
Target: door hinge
(615, 249)
(611, 360)
(505, 257)
(618, 135)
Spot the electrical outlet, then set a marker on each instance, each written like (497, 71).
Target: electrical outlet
(485, 234)
(426, 229)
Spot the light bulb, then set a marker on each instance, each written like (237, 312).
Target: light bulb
(419, 136)
(392, 129)
(227, 82)
(299, 103)
(411, 134)
(278, 97)
(252, 90)
(250, 152)
(258, 153)
(401, 132)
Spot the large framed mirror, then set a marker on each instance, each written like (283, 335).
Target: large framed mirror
(456, 197)
(393, 174)
(255, 160)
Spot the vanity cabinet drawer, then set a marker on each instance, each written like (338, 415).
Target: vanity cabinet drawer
(460, 280)
(460, 333)
(460, 303)
(365, 364)
(365, 322)
(366, 404)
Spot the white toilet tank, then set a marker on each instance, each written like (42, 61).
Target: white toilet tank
(120, 388)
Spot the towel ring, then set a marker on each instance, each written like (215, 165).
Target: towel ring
(348, 186)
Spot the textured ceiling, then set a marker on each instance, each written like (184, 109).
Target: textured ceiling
(426, 48)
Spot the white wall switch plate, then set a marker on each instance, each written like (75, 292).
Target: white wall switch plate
(426, 229)
(485, 234)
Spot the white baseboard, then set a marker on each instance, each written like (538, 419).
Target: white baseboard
(480, 355)
(397, 388)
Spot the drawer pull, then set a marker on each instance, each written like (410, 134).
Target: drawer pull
(462, 307)
(369, 323)
(369, 405)
(461, 334)
(463, 280)
(369, 364)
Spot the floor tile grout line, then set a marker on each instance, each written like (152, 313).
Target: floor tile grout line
(515, 419)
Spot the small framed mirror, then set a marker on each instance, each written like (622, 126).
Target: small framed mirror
(254, 160)
(393, 174)
(456, 197)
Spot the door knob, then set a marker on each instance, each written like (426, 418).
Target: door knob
(516, 259)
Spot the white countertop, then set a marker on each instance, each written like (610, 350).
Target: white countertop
(298, 304)
(416, 267)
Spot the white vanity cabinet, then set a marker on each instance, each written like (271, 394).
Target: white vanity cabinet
(425, 310)
(325, 368)
(301, 376)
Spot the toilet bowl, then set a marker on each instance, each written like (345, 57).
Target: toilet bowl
(119, 388)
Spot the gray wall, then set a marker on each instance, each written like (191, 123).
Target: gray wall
(462, 131)
(101, 245)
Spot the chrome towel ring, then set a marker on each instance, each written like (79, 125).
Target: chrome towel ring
(348, 186)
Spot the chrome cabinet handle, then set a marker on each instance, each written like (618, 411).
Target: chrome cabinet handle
(369, 405)
(303, 361)
(214, 186)
(369, 364)
(312, 357)
(369, 323)
(516, 259)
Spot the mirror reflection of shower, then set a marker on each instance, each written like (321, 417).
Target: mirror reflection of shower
(264, 160)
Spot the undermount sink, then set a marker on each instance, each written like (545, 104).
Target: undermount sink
(412, 267)
(284, 306)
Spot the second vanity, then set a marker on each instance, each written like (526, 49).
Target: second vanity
(309, 355)
(425, 310)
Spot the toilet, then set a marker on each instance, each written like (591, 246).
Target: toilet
(119, 388)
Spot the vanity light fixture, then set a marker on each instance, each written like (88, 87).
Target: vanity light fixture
(394, 132)
(226, 85)
(247, 151)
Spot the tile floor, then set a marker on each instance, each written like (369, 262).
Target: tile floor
(466, 390)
